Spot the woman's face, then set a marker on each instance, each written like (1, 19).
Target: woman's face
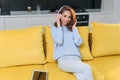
(65, 18)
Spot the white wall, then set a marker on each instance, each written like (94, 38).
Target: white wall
(107, 5)
(112, 6)
(116, 11)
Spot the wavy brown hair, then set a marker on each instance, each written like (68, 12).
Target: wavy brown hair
(73, 16)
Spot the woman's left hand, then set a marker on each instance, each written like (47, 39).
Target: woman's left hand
(74, 25)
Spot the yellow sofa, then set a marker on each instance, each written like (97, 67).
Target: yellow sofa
(25, 50)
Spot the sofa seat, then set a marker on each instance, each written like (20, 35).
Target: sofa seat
(109, 66)
(19, 72)
(114, 74)
(56, 74)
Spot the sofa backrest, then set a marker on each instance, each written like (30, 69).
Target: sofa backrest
(32, 46)
(21, 47)
(105, 39)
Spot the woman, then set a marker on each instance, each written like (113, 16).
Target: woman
(66, 43)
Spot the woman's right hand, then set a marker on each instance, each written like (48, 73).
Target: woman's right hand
(58, 19)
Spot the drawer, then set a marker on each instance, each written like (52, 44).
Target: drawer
(42, 20)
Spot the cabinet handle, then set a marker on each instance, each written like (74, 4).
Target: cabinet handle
(82, 22)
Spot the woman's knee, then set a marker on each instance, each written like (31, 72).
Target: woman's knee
(87, 67)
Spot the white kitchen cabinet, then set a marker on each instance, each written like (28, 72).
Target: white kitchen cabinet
(2, 24)
(24, 21)
(116, 11)
(41, 20)
(15, 22)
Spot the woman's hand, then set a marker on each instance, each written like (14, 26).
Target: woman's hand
(58, 19)
(74, 25)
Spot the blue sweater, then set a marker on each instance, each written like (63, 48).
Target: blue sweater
(66, 43)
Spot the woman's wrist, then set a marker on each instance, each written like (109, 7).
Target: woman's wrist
(58, 25)
(74, 29)
(74, 26)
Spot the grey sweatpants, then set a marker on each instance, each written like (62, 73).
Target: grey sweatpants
(74, 64)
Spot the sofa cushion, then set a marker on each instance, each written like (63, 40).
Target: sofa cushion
(84, 48)
(105, 39)
(19, 72)
(96, 74)
(108, 66)
(48, 44)
(21, 47)
(56, 74)
(113, 74)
